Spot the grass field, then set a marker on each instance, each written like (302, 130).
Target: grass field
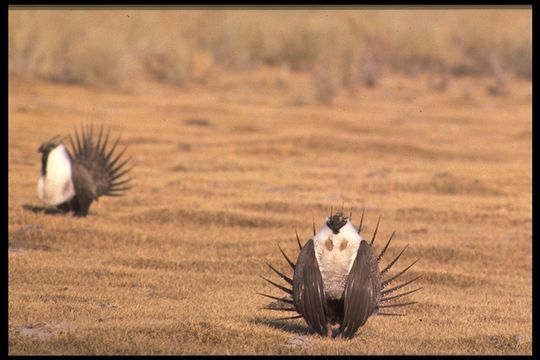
(246, 125)
(227, 170)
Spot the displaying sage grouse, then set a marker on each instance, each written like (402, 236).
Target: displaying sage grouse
(71, 180)
(337, 283)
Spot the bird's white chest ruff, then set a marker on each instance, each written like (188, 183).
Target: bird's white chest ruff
(56, 186)
(335, 254)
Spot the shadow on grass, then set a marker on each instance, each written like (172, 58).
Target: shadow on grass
(43, 209)
(287, 325)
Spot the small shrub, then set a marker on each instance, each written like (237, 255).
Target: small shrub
(90, 59)
(326, 77)
(171, 65)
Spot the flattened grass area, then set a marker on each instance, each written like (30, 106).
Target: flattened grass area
(227, 171)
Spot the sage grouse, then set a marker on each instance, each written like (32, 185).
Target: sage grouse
(337, 284)
(72, 180)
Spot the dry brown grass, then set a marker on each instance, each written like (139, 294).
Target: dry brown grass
(338, 48)
(227, 170)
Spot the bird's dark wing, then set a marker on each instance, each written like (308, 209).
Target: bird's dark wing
(361, 290)
(85, 189)
(308, 291)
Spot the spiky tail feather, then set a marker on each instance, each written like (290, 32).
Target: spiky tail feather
(106, 167)
(286, 304)
(385, 293)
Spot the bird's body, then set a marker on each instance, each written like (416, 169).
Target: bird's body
(54, 185)
(337, 284)
(71, 181)
(335, 254)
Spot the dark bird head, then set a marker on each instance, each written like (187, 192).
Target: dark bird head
(46, 147)
(336, 222)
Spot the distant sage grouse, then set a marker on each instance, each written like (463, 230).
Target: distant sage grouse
(72, 180)
(337, 284)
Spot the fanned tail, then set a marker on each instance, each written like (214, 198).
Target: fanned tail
(282, 303)
(387, 295)
(107, 167)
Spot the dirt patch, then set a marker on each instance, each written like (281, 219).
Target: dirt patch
(298, 342)
(44, 331)
(204, 218)
(447, 184)
(201, 122)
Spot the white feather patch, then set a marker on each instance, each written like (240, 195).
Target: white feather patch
(56, 186)
(335, 264)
